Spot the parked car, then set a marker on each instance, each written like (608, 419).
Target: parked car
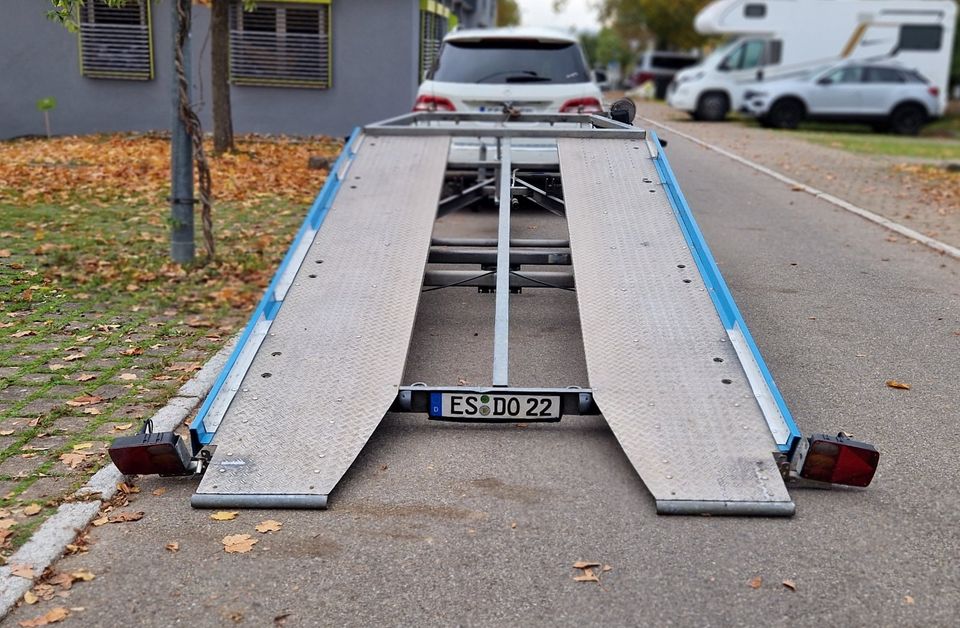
(885, 95)
(532, 69)
(660, 67)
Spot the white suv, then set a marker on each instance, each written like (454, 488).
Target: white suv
(886, 95)
(529, 69)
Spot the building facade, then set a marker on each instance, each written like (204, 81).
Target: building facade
(297, 67)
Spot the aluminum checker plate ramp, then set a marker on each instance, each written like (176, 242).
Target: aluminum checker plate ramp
(662, 369)
(329, 369)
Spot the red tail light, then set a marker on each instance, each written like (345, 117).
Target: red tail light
(642, 77)
(582, 105)
(934, 91)
(839, 460)
(433, 103)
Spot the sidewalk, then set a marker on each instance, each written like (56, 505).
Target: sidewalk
(889, 186)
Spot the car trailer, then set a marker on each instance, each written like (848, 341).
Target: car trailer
(671, 364)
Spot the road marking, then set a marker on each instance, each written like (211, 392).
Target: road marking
(933, 243)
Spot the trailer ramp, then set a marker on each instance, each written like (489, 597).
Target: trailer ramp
(332, 363)
(660, 361)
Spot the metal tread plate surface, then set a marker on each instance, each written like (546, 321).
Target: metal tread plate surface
(662, 369)
(330, 367)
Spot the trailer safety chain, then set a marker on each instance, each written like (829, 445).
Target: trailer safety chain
(542, 283)
(457, 283)
(192, 122)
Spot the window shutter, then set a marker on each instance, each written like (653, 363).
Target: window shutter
(115, 42)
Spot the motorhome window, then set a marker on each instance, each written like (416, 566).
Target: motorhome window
(755, 10)
(774, 51)
(850, 74)
(672, 62)
(920, 37)
(745, 57)
(883, 75)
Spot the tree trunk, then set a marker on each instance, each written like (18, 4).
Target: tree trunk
(220, 71)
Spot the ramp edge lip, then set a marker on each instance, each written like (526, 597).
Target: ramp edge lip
(224, 500)
(725, 508)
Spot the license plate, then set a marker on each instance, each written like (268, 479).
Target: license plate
(483, 406)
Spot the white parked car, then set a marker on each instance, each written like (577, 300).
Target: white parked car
(886, 95)
(531, 69)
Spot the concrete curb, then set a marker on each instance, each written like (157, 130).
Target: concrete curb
(49, 542)
(936, 245)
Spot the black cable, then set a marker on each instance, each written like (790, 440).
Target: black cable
(458, 283)
(542, 283)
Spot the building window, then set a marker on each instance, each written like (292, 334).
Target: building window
(920, 37)
(755, 10)
(434, 24)
(115, 42)
(281, 44)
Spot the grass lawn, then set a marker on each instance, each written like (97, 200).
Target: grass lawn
(98, 329)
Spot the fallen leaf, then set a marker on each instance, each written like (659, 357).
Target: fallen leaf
(583, 564)
(132, 351)
(6, 432)
(5, 253)
(128, 377)
(126, 489)
(52, 616)
(224, 515)
(119, 427)
(124, 517)
(85, 377)
(32, 510)
(23, 571)
(268, 526)
(74, 356)
(172, 546)
(57, 367)
(82, 446)
(101, 521)
(93, 411)
(7, 523)
(238, 543)
(83, 575)
(607, 568)
(790, 584)
(159, 491)
(84, 400)
(30, 597)
(892, 383)
(908, 600)
(588, 576)
(756, 582)
(73, 460)
(25, 332)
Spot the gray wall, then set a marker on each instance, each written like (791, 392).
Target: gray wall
(375, 59)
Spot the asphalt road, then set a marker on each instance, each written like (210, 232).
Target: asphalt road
(480, 525)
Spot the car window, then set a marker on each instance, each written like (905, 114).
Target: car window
(884, 75)
(672, 62)
(745, 57)
(510, 61)
(849, 74)
(915, 77)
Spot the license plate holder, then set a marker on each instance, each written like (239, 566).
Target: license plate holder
(494, 407)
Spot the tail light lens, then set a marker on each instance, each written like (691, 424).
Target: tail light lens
(582, 105)
(642, 77)
(934, 91)
(433, 103)
(839, 460)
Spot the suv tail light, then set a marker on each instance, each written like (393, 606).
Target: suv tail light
(934, 91)
(433, 103)
(839, 460)
(642, 77)
(582, 105)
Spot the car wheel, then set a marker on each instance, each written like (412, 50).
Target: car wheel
(907, 119)
(712, 107)
(786, 114)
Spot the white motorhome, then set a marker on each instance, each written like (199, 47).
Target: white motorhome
(775, 38)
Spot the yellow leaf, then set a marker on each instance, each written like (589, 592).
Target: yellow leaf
(588, 576)
(583, 564)
(268, 526)
(6, 432)
(892, 383)
(93, 411)
(83, 574)
(32, 509)
(119, 427)
(159, 491)
(73, 460)
(101, 521)
(238, 543)
(172, 546)
(82, 446)
(30, 597)
(224, 515)
(52, 616)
